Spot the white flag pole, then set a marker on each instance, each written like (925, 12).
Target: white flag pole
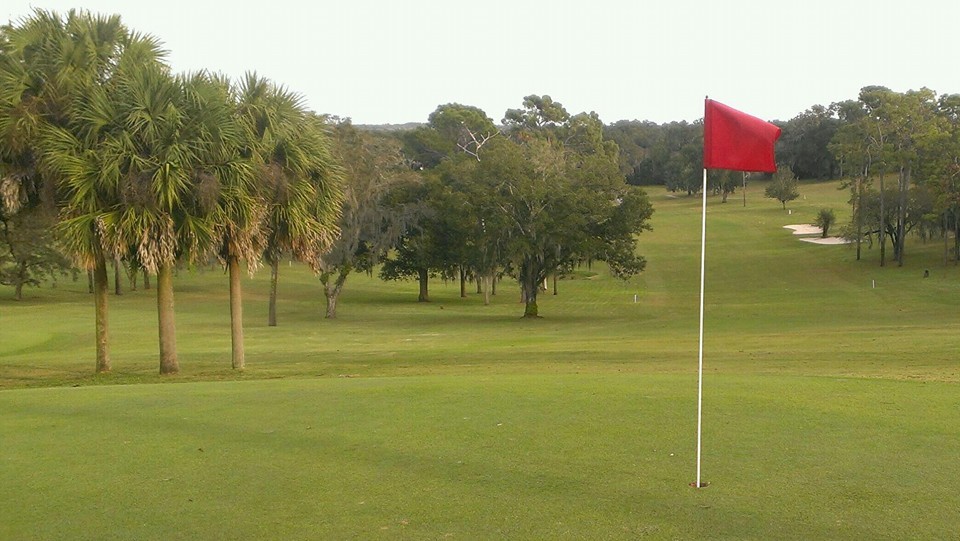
(703, 259)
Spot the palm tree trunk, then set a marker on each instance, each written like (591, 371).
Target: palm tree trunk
(272, 305)
(236, 314)
(100, 306)
(117, 269)
(146, 279)
(167, 323)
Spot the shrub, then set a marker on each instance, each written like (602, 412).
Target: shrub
(825, 218)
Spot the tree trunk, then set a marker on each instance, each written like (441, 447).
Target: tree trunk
(146, 279)
(117, 269)
(479, 284)
(21, 277)
(530, 285)
(487, 286)
(100, 285)
(956, 238)
(132, 276)
(555, 283)
(274, 278)
(946, 244)
(166, 320)
(902, 214)
(331, 291)
(463, 282)
(423, 277)
(89, 281)
(236, 314)
(858, 212)
(530, 308)
(332, 297)
(883, 220)
(744, 190)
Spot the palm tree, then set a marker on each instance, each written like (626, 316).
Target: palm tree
(134, 175)
(297, 175)
(120, 182)
(53, 67)
(174, 156)
(225, 173)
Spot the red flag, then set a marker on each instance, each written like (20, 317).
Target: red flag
(737, 141)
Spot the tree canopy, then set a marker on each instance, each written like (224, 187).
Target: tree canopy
(542, 195)
(141, 164)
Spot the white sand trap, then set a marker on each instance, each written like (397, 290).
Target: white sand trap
(828, 240)
(804, 229)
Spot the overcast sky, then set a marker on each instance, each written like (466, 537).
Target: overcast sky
(396, 61)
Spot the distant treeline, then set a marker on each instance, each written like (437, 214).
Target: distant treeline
(897, 152)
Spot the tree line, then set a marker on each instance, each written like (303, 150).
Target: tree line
(898, 153)
(108, 157)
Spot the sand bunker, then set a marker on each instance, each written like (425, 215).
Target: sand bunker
(811, 234)
(804, 229)
(828, 240)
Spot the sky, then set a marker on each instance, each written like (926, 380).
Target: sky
(390, 62)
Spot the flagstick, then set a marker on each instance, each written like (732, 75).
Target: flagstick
(735, 141)
(703, 259)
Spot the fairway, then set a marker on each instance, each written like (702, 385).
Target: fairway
(831, 401)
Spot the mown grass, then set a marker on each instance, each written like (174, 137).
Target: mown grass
(829, 410)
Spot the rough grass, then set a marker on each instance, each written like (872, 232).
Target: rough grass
(829, 410)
